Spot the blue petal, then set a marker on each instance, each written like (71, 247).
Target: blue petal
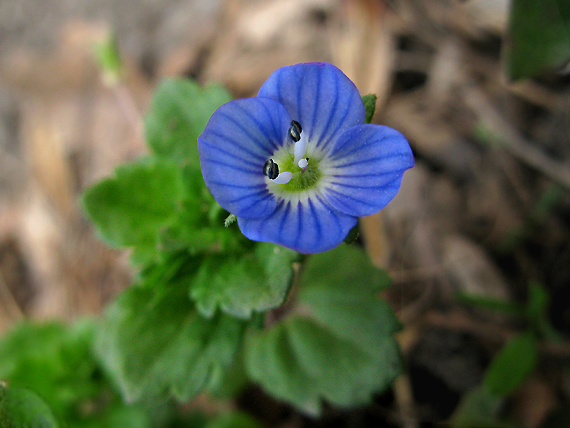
(240, 136)
(307, 227)
(367, 165)
(319, 96)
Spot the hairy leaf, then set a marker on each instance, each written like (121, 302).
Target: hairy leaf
(23, 408)
(240, 285)
(52, 360)
(179, 112)
(338, 346)
(130, 208)
(199, 226)
(153, 341)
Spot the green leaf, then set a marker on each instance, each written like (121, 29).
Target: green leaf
(538, 37)
(241, 285)
(228, 383)
(477, 408)
(52, 360)
(346, 266)
(337, 344)
(234, 420)
(130, 208)
(179, 112)
(512, 365)
(153, 341)
(199, 226)
(23, 408)
(370, 106)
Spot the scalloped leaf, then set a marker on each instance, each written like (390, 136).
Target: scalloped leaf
(154, 341)
(179, 112)
(130, 207)
(23, 408)
(339, 346)
(242, 285)
(52, 360)
(199, 226)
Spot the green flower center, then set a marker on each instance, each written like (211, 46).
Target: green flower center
(301, 180)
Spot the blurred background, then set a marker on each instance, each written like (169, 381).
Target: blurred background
(485, 212)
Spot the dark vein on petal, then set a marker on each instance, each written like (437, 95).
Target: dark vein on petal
(350, 197)
(275, 131)
(254, 203)
(233, 141)
(244, 130)
(232, 166)
(258, 125)
(340, 123)
(250, 195)
(376, 174)
(238, 186)
(344, 153)
(285, 214)
(316, 105)
(332, 214)
(348, 151)
(332, 113)
(317, 223)
(299, 223)
(352, 186)
(299, 104)
(369, 160)
(232, 155)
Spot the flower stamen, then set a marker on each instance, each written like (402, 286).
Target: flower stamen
(297, 135)
(295, 131)
(271, 170)
(283, 178)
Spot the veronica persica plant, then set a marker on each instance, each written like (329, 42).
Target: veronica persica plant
(297, 164)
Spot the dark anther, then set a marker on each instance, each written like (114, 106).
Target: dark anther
(295, 131)
(270, 169)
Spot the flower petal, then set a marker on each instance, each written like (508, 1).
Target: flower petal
(319, 96)
(308, 227)
(239, 138)
(365, 169)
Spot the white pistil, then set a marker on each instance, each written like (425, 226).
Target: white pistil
(283, 178)
(300, 148)
(303, 163)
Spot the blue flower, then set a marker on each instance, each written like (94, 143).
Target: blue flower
(297, 164)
